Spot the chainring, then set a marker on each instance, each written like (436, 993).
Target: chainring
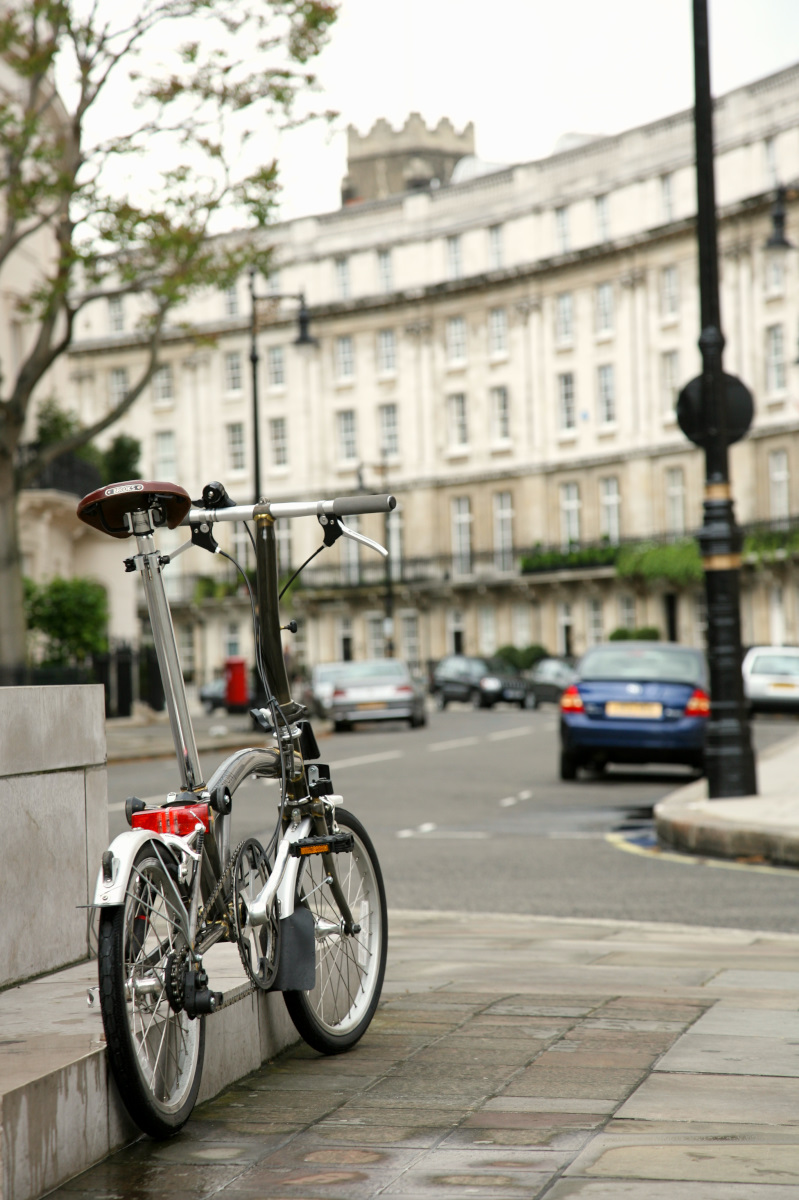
(259, 946)
(174, 976)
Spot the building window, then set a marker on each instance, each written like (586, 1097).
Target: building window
(456, 340)
(461, 514)
(669, 381)
(566, 409)
(283, 540)
(604, 308)
(778, 485)
(595, 623)
(675, 500)
(345, 639)
(500, 415)
(669, 292)
(279, 441)
(564, 318)
(116, 314)
(487, 629)
(235, 446)
(521, 625)
(389, 431)
(232, 642)
(385, 271)
(276, 366)
(233, 371)
(774, 279)
(342, 268)
(165, 464)
(163, 385)
(497, 331)
(375, 638)
(386, 352)
(273, 281)
(606, 394)
(562, 235)
(347, 438)
(349, 555)
(627, 611)
(458, 421)
(345, 358)
(770, 158)
(503, 531)
(775, 360)
(454, 257)
(117, 385)
(455, 632)
(569, 514)
(564, 618)
(667, 197)
(231, 296)
(411, 647)
(610, 509)
(496, 254)
(602, 218)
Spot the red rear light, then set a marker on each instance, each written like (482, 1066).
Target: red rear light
(180, 820)
(338, 692)
(404, 689)
(571, 700)
(698, 705)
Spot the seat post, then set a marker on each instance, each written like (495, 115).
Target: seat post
(167, 652)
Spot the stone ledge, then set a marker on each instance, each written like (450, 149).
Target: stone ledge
(59, 1108)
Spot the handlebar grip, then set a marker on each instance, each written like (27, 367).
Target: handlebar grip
(350, 506)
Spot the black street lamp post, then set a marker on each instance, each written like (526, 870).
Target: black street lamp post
(729, 758)
(303, 338)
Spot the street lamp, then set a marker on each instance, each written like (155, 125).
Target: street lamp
(713, 423)
(303, 338)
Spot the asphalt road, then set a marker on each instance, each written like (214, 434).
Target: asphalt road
(469, 814)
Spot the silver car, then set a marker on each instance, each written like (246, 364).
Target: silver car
(771, 678)
(377, 689)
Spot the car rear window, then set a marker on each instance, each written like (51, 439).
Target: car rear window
(382, 668)
(661, 663)
(775, 664)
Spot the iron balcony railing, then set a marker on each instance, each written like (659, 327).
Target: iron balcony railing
(67, 473)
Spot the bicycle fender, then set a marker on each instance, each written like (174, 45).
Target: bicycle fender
(124, 849)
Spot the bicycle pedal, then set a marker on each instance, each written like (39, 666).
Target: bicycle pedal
(336, 843)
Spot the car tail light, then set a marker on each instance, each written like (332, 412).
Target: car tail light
(698, 705)
(571, 700)
(404, 690)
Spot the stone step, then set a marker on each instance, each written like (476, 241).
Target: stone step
(60, 1111)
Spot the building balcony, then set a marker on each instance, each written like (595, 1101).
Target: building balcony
(67, 473)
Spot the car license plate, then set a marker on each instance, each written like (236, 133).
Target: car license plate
(371, 704)
(621, 708)
(791, 687)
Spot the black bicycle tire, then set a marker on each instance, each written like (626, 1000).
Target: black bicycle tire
(312, 1031)
(121, 1054)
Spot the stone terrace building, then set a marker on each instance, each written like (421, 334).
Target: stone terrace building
(504, 353)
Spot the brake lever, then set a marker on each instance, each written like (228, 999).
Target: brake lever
(359, 537)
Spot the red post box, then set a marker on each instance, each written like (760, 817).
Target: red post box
(237, 693)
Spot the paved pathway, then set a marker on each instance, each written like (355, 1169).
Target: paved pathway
(519, 1057)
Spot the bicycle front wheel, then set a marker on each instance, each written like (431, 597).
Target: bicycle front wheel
(155, 1051)
(349, 967)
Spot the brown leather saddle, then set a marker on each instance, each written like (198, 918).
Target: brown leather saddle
(105, 509)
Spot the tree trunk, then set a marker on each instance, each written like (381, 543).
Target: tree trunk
(12, 614)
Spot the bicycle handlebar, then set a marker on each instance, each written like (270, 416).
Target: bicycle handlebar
(343, 506)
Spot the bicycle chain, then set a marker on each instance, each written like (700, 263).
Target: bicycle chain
(206, 908)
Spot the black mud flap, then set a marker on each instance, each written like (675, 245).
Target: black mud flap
(296, 971)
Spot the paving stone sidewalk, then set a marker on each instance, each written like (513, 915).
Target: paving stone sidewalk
(519, 1057)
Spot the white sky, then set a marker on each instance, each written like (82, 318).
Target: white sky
(525, 71)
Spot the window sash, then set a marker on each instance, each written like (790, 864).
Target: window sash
(458, 420)
(503, 531)
(775, 359)
(779, 484)
(386, 351)
(495, 247)
(500, 414)
(566, 401)
(610, 509)
(235, 446)
(461, 515)
(342, 266)
(233, 371)
(454, 258)
(607, 394)
(385, 271)
(675, 500)
(498, 331)
(389, 430)
(569, 513)
(165, 456)
(278, 438)
(604, 308)
(163, 384)
(345, 358)
(347, 435)
(564, 317)
(276, 366)
(456, 339)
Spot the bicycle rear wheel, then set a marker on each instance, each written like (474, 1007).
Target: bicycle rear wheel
(155, 1052)
(349, 967)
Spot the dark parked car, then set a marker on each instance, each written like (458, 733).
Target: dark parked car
(548, 678)
(213, 695)
(377, 689)
(635, 702)
(481, 682)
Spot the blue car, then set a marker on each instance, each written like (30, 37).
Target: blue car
(635, 702)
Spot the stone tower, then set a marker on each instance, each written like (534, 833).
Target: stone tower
(385, 161)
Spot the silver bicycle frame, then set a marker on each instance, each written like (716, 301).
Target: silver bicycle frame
(148, 562)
